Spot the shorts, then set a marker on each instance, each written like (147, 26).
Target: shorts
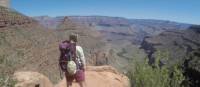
(79, 77)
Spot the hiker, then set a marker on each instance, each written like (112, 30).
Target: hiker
(72, 61)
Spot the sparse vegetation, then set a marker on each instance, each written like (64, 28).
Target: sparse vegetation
(144, 75)
(7, 81)
(6, 72)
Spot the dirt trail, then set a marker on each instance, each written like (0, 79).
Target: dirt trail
(96, 76)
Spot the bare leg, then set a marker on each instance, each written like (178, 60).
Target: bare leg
(84, 83)
(81, 84)
(68, 85)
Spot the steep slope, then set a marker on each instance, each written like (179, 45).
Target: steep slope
(28, 47)
(17, 38)
(178, 43)
(9, 17)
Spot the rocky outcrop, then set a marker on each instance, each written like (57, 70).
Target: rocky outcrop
(31, 79)
(101, 76)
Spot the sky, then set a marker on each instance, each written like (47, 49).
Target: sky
(185, 11)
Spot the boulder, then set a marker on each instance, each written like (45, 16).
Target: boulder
(31, 79)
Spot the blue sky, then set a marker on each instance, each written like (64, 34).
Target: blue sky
(186, 11)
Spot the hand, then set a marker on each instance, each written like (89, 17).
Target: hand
(84, 68)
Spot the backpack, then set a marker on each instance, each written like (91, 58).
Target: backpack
(67, 59)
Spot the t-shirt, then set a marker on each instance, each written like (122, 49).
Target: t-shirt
(80, 55)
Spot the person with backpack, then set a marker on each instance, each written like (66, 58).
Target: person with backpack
(72, 61)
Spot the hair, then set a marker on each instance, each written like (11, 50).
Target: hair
(73, 37)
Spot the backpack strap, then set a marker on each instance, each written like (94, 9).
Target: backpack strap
(74, 55)
(73, 51)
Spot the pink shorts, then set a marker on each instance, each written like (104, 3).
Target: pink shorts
(79, 76)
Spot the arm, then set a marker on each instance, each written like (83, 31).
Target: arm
(82, 56)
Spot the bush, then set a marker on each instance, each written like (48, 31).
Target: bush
(144, 75)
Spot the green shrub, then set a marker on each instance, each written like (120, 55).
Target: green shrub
(144, 75)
